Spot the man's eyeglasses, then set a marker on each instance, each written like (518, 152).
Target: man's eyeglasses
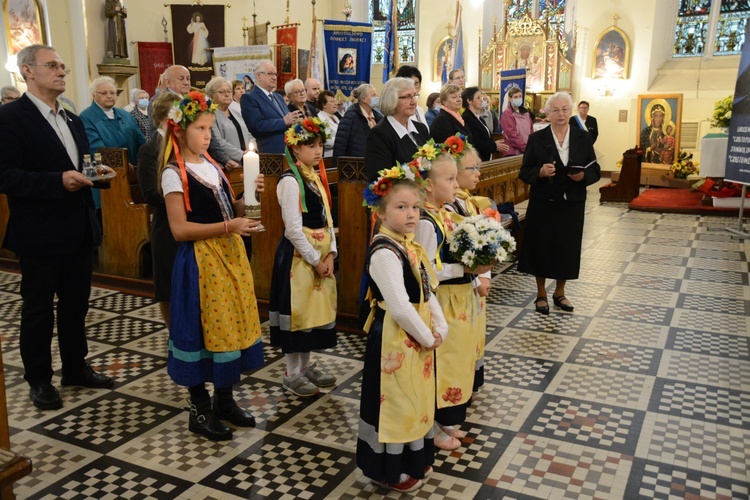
(269, 73)
(298, 92)
(409, 97)
(54, 67)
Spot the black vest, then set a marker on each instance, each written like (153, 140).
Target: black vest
(315, 217)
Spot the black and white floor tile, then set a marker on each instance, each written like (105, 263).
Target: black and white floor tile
(642, 392)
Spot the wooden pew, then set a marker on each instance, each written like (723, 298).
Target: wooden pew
(12, 467)
(628, 184)
(125, 224)
(499, 180)
(353, 233)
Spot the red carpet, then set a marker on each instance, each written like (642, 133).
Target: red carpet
(679, 201)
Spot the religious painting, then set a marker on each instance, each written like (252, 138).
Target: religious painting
(196, 30)
(286, 60)
(611, 55)
(527, 52)
(247, 79)
(24, 24)
(658, 133)
(442, 57)
(347, 58)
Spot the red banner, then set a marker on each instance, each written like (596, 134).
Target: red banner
(286, 54)
(153, 59)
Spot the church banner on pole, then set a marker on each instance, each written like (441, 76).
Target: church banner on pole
(235, 63)
(286, 53)
(738, 154)
(348, 55)
(153, 59)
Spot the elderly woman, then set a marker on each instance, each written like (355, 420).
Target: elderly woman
(481, 135)
(133, 98)
(433, 107)
(108, 126)
(396, 138)
(351, 137)
(557, 199)
(449, 122)
(516, 121)
(140, 113)
(229, 131)
(328, 105)
(295, 91)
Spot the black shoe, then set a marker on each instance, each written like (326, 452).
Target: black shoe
(233, 414)
(203, 421)
(558, 301)
(541, 309)
(45, 397)
(89, 378)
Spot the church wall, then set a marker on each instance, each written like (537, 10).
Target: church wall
(652, 71)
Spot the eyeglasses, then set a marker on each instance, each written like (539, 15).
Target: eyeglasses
(222, 92)
(9, 98)
(54, 67)
(269, 73)
(474, 168)
(408, 97)
(298, 92)
(108, 92)
(559, 111)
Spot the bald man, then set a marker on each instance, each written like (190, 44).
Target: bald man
(312, 87)
(176, 79)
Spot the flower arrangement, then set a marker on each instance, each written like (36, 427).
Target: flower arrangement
(541, 115)
(381, 186)
(304, 130)
(185, 111)
(347, 10)
(480, 240)
(722, 113)
(684, 166)
(619, 162)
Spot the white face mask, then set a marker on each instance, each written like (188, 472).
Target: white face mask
(485, 105)
(374, 102)
(517, 102)
(143, 103)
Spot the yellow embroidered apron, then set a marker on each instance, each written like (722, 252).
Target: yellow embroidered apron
(456, 357)
(407, 383)
(229, 310)
(313, 299)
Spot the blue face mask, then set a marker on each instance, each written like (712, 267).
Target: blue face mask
(517, 102)
(438, 107)
(143, 103)
(374, 102)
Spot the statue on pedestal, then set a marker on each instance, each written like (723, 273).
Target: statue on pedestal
(117, 40)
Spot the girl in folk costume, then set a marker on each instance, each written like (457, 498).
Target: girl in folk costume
(214, 333)
(302, 311)
(395, 446)
(455, 359)
(467, 206)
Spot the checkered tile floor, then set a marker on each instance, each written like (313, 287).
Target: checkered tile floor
(642, 392)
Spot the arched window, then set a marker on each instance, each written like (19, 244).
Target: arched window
(710, 27)
(407, 23)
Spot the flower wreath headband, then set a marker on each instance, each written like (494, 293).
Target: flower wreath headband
(415, 170)
(182, 114)
(299, 133)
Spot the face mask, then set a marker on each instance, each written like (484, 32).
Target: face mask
(438, 107)
(485, 105)
(374, 102)
(143, 103)
(517, 102)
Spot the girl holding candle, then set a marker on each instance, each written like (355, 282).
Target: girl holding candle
(214, 333)
(302, 310)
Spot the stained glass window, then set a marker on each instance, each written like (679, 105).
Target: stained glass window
(695, 17)
(379, 11)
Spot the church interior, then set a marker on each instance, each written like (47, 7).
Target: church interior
(642, 392)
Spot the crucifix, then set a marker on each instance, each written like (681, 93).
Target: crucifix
(614, 18)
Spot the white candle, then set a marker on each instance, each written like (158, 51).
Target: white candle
(251, 170)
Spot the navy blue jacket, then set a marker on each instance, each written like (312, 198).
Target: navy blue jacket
(351, 136)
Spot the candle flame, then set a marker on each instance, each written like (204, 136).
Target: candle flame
(250, 148)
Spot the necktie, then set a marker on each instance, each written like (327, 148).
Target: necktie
(276, 104)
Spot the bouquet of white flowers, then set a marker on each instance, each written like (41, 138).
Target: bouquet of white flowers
(480, 240)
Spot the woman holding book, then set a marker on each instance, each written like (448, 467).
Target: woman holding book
(557, 199)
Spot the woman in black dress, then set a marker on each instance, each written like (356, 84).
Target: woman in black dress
(557, 199)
